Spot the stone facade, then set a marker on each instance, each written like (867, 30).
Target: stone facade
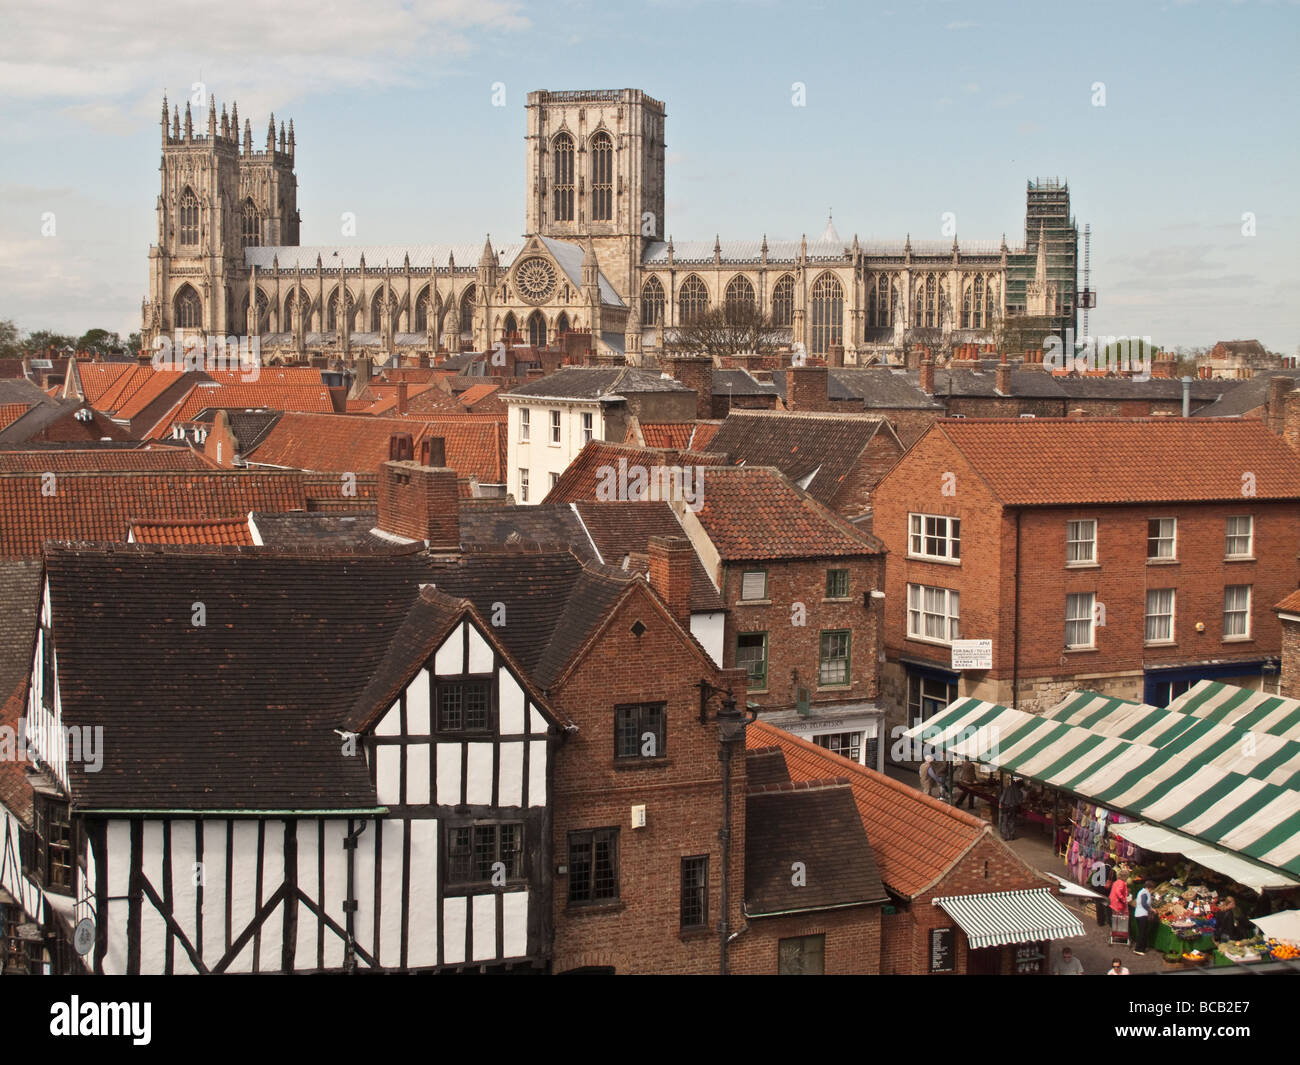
(597, 257)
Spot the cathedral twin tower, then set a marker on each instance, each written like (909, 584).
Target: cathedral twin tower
(595, 257)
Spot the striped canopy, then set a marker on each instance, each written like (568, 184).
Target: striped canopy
(1234, 789)
(1002, 917)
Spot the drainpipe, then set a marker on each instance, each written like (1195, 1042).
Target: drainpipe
(1187, 397)
(350, 902)
(1015, 627)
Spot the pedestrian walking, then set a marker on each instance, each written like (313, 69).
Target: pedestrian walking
(1119, 910)
(1142, 917)
(1009, 808)
(1117, 968)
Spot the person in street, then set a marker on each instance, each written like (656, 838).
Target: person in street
(1069, 965)
(1117, 968)
(1009, 808)
(964, 775)
(1142, 917)
(924, 774)
(1119, 907)
(931, 780)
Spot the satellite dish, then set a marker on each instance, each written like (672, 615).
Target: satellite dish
(83, 938)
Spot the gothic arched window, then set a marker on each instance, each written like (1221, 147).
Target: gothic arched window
(652, 302)
(422, 311)
(827, 314)
(377, 312)
(189, 309)
(931, 299)
(692, 301)
(977, 303)
(332, 322)
(252, 226)
(511, 325)
(990, 302)
(467, 310)
(562, 149)
(561, 324)
(602, 177)
(302, 298)
(537, 330)
(882, 301)
(783, 301)
(740, 296)
(966, 309)
(189, 217)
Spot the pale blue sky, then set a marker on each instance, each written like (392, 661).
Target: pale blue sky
(913, 109)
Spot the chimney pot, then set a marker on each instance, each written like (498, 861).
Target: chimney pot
(927, 375)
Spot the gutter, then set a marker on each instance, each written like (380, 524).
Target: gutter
(818, 909)
(1015, 626)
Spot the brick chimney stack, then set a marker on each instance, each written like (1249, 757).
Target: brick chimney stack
(696, 373)
(927, 376)
(670, 575)
(806, 388)
(835, 356)
(1004, 377)
(420, 503)
(1278, 387)
(1291, 420)
(401, 396)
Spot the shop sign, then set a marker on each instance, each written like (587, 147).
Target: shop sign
(972, 654)
(943, 949)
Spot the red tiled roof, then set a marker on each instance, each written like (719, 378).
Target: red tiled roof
(294, 376)
(1070, 461)
(117, 390)
(227, 531)
(149, 390)
(97, 378)
(1291, 604)
(11, 412)
(343, 443)
(578, 482)
(667, 434)
(916, 839)
(474, 393)
(245, 397)
(101, 506)
(103, 460)
(753, 512)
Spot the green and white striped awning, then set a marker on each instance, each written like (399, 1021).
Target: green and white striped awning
(1201, 783)
(1002, 917)
(1242, 708)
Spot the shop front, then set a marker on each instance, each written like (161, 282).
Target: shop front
(1007, 932)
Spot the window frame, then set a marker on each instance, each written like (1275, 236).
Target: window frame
(48, 815)
(1092, 559)
(1091, 619)
(700, 891)
(846, 744)
(483, 680)
(952, 619)
(525, 426)
(759, 684)
(1172, 538)
(592, 836)
(588, 426)
(916, 707)
(557, 428)
(643, 711)
(847, 658)
(918, 535)
(794, 965)
(47, 667)
(753, 599)
(1246, 611)
(834, 577)
(1147, 639)
(474, 883)
(1229, 536)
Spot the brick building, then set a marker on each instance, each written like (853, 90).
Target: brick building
(926, 850)
(1288, 613)
(1131, 557)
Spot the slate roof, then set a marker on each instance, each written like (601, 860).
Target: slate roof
(552, 602)
(98, 506)
(346, 443)
(239, 713)
(789, 251)
(1242, 397)
(249, 426)
(753, 512)
(313, 533)
(738, 382)
(1065, 461)
(916, 839)
(104, 460)
(20, 596)
(623, 529)
(827, 445)
(815, 823)
(20, 391)
(217, 531)
(596, 382)
(555, 526)
(875, 386)
(765, 765)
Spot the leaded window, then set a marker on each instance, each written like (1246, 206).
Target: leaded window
(251, 226)
(189, 217)
(464, 707)
(693, 300)
(593, 865)
(602, 177)
(783, 301)
(652, 302)
(189, 309)
(739, 296)
(562, 150)
(827, 314)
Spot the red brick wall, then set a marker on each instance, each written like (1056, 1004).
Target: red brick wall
(792, 647)
(682, 792)
(878, 457)
(419, 502)
(1291, 659)
(853, 939)
(910, 425)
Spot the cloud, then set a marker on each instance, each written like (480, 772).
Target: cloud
(961, 25)
(93, 54)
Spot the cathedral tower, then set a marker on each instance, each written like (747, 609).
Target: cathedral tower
(219, 195)
(595, 167)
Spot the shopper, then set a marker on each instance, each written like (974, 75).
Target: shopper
(1069, 965)
(1119, 908)
(1117, 968)
(965, 779)
(1142, 917)
(1009, 808)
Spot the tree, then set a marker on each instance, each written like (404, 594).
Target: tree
(728, 331)
(9, 339)
(99, 341)
(42, 339)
